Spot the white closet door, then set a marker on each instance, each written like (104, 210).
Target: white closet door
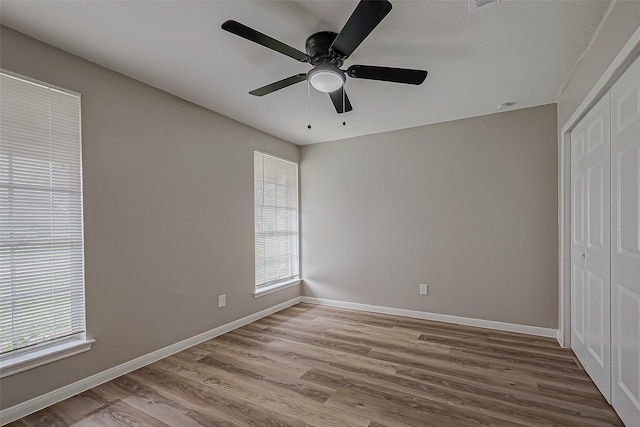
(578, 243)
(590, 249)
(625, 256)
(597, 285)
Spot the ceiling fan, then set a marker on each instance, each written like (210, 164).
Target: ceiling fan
(327, 51)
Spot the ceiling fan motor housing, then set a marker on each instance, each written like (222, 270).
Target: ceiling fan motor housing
(318, 48)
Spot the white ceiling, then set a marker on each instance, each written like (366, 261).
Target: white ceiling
(522, 51)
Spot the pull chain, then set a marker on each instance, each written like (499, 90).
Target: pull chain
(344, 96)
(309, 104)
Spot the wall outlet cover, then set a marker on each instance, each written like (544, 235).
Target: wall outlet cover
(222, 300)
(424, 289)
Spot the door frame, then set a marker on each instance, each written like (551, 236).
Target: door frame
(629, 52)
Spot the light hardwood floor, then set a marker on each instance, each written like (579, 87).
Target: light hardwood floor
(318, 366)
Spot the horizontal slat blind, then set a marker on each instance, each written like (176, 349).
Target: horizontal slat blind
(276, 219)
(41, 243)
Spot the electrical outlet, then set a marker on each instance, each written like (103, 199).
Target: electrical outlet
(424, 289)
(222, 300)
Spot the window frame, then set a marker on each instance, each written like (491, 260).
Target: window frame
(29, 357)
(277, 285)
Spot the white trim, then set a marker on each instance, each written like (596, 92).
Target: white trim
(619, 64)
(34, 357)
(275, 287)
(468, 321)
(30, 406)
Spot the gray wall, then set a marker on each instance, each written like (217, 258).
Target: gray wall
(168, 204)
(469, 207)
(615, 31)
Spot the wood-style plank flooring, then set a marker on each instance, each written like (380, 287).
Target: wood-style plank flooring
(317, 366)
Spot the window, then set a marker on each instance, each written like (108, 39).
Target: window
(41, 240)
(276, 221)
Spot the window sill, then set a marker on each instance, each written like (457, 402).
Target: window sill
(21, 362)
(266, 290)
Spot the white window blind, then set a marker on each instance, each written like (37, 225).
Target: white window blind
(276, 219)
(41, 240)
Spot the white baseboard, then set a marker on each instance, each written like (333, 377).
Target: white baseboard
(481, 323)
(30, 406)
(560, 339)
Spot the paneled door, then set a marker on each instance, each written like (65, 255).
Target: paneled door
(598, 245)
(591, 294)
(578, 243)
(625, 256)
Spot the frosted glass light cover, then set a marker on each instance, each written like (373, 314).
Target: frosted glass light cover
(326, 80)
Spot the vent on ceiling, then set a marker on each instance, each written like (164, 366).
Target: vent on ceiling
(476, 5)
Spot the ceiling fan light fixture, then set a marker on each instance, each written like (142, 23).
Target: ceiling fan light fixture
(326, 79)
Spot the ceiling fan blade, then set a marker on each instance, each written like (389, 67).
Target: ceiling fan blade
(336, 98)
(265, 90)
(243, 31)
(367, 15)
(387, 74)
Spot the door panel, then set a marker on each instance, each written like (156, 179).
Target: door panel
(598, 336)
(625, 257)
(577, 144)
(578, 210)
(629, 332)
(578, 311)
(596, 204)
(628, 229)
(596, 132)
